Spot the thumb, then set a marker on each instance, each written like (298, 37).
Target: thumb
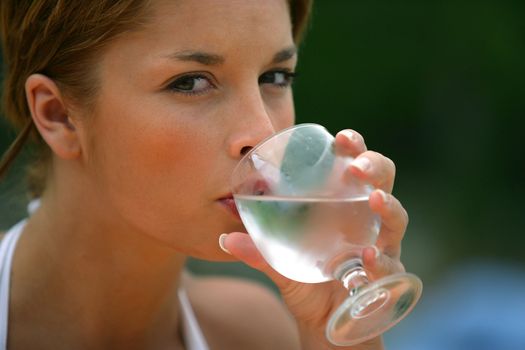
(241, 246)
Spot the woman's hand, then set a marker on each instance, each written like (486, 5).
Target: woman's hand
(312, 304)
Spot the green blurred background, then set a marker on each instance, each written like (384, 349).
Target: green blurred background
(437, 86)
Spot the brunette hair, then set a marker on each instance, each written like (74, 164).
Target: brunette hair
(62, 40)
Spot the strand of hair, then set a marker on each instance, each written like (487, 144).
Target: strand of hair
(14, 149)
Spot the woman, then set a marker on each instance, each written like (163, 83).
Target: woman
(143, 109)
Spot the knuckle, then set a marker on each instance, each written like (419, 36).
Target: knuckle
(406, 216)
(403, 218)
(360, 139)
(372, 154)
(387, 165)
(391, 165)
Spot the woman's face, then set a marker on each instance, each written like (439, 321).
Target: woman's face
(180, 101)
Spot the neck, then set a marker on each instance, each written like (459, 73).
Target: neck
(103, 285)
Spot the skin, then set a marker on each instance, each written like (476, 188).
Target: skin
(137, 182)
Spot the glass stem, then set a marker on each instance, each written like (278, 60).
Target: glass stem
(352, 275)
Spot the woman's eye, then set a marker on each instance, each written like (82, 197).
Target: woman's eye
(191, 84)
(278, 78)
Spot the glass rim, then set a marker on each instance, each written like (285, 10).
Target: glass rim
(265, 141)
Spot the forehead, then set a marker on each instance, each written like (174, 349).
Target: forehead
(218, 21)
(241, 31)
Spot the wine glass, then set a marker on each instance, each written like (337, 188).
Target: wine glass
(310, 219)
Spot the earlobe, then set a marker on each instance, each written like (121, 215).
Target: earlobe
(50, 116)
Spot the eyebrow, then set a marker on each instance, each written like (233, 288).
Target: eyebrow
(284, 55)
(210, 59)
(207, 59)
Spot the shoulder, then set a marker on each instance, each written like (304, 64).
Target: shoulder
(239, 314)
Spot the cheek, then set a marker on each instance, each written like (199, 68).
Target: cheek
(147, 167)
(281, 110)
(289, 120)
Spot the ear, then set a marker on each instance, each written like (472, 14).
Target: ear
(50, 116)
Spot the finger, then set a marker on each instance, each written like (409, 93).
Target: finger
(379, 265)
(374, 168)
(349, 143)
(394, 221)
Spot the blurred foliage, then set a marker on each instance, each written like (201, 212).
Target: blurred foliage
(437, 86)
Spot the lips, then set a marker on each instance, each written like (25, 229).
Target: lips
(254, 186)
(229, 203)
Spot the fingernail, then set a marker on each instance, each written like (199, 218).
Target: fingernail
(349, 135)
(384, 197)
(361, 163)
(222, 238)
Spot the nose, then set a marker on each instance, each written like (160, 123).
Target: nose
(252, 123)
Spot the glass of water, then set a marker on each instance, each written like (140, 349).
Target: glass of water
(310, 219)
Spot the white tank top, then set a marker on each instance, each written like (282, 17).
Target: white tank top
(193, 337)
(7, 249)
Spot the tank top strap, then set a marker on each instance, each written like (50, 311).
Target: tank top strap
(193, 337)
(7, 249)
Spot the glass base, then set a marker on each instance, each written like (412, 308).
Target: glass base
(373, 309)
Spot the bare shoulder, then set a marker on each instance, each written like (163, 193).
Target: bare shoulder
(239, 314)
